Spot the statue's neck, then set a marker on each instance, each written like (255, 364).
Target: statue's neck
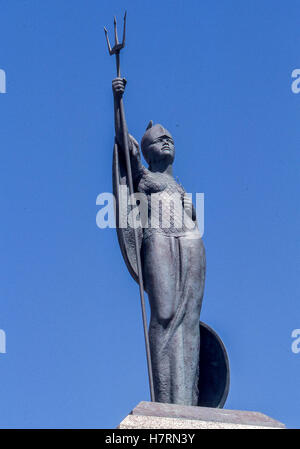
(159, 168)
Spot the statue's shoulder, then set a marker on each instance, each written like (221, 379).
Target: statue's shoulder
(179, 186)
(146, 180)
(138, 174)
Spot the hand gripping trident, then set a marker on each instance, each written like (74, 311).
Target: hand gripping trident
(116, 51)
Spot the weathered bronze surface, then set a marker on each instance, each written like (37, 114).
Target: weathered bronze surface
(168, 262)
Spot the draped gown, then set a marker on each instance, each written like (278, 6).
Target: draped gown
(173, 263)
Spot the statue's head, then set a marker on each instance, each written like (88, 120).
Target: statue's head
(157, 145)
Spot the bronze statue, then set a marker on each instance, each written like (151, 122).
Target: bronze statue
(168, 261)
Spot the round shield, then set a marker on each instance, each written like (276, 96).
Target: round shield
(214, 373)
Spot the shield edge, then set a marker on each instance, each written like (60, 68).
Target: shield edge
(125, 235)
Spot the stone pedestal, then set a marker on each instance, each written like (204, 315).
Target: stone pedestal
(155, 415)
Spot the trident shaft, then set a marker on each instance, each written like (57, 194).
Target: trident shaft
(116, 51)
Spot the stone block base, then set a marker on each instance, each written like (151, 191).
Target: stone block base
(155, 415)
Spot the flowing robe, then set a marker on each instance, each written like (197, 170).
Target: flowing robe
(173, 263)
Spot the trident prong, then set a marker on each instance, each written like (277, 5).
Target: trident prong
(107, 40)
(116, 33)
(124, 29)
(118, 46)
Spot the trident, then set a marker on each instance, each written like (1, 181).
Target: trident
(116, 51)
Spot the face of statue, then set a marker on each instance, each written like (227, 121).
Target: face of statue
(158, 146)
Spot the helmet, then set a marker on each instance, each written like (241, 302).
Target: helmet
(152, 133)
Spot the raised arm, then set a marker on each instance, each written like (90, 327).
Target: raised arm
(118, 86)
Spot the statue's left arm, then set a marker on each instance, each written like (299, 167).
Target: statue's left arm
(189, 207)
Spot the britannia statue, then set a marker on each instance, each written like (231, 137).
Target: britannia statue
(187, 361)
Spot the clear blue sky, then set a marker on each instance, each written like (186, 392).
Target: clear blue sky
(217, 74)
